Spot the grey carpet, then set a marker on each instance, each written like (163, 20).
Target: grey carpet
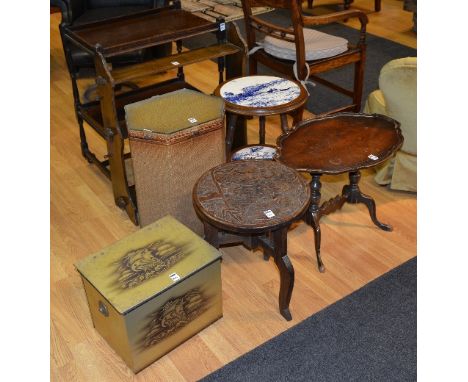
(379, 52)
(369, 335)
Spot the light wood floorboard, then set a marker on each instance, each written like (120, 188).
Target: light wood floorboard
(84, 220)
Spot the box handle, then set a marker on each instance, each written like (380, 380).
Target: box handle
(103, 309)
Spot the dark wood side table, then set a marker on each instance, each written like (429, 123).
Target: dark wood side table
(253, 202)
(260, 96)
(119, 35)
(343, 142)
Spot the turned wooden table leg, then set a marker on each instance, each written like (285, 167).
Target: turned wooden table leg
(286, 271)
(284, 123)
(313, 216)
(378, 5)
(261, 130)
(353, 194)
(211, 234)
(180, 69)
(231, 126)
(266, 252)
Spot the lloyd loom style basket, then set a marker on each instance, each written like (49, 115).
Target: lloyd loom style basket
(174, 139)
(153, 290)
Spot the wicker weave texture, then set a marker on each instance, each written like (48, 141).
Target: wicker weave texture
(165, 174)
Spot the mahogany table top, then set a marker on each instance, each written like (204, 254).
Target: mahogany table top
(140, 30)
(342, 142)
(251, 196)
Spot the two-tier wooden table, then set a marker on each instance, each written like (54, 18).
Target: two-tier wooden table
(254, 202)
(116, 36)
(260, 96)
(343, 142)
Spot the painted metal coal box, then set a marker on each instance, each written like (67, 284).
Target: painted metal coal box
(152, 290)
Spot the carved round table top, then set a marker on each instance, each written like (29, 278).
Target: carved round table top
(342, 142)
(261, 95)
(251, 196)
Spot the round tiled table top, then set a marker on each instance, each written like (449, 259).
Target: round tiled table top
(260, 91)
(261, 152)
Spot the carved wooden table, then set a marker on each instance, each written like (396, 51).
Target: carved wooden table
(119, 35)
(260, 96)
(343, 142)
(253, 202)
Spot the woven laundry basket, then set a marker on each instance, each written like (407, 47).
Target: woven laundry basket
(174, 139)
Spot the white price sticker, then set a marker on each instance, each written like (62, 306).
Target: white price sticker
(222, 27)
(192, 120)
(175, 63)
(269, 214)
(373, 157)
(174, 276)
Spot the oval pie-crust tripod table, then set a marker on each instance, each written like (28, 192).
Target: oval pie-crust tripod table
(335, 144)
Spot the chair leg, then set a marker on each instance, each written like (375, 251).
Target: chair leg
(310, 3)
(378, 5)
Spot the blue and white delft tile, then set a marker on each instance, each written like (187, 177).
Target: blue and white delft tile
(260, 91)
(254, 152)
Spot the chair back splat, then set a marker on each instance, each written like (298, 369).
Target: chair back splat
(301, 52)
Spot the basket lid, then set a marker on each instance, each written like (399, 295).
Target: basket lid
(173, 112)
(146, 263)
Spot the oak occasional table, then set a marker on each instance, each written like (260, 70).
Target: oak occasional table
(253, 202)
(260, 96)
(343, 142)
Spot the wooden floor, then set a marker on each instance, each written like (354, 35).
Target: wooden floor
(84, 219)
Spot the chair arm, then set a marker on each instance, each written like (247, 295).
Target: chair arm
(375, 103)
(337, 16)
(59, 4)
(71, 9)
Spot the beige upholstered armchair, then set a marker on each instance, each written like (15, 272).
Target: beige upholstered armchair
(396, 98)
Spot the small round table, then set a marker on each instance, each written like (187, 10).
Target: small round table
(260, 96)
(261, 152)
(342, 142)
(253, 202)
